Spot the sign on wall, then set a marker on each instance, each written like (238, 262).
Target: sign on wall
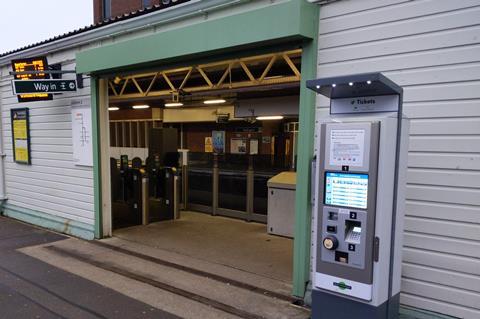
(82, 132)
(238, 146)
(31, 64)
(208, 145)
(43, 86)
(20, 135)
(218, 142)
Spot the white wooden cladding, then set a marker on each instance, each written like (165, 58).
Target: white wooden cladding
(53, 184)
(432, 49)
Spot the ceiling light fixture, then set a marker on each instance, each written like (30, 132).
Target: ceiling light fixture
(216, 101)
(140, 107)
(267, 118)
(173, 104)
(113, 108)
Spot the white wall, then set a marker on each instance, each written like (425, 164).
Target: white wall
(432, 49)
(52, 185)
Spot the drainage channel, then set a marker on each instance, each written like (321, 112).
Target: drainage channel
(184, 293)
(236, 283)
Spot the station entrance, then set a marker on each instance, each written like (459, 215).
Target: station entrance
(203, 160)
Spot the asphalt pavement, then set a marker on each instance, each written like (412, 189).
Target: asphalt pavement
(30, 288)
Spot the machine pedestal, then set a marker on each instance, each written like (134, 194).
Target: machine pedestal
(329, 306)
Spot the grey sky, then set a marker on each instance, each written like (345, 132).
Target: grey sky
(25, 22)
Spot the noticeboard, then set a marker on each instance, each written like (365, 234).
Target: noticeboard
(31, 64)
(20, 135)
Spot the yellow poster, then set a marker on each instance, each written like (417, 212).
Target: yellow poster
(20, 135)
(21, 154)
(208, 145)
(20, 129)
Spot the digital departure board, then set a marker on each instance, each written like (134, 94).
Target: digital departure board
(346, 189)
(31, 64)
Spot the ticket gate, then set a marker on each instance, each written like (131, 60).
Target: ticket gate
(162, 192)
(126, 192)
(359, 198)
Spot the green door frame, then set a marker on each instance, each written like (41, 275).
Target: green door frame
(303, 207)
(293, 21)
(97, 175)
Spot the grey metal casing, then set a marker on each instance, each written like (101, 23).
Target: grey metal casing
(363, 256)
(384, 202)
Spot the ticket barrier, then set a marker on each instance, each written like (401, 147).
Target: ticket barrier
(359, 198)
(163, 198)
(126, 193)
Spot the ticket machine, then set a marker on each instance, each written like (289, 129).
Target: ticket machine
(359, 198)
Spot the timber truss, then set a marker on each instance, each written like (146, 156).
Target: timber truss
(268, 69)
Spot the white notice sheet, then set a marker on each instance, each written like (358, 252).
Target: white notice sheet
(82, 133)
(347, 147)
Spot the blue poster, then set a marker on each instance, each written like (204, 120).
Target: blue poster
(218, 138)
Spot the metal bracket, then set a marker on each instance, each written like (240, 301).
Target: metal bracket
(42, 72)
(79, 80)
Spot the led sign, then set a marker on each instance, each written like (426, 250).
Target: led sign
(31, 64)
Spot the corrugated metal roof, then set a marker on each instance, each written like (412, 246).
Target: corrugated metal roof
(103, 23)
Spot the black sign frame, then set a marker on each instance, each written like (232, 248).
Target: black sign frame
(25, 114)
(30, 61)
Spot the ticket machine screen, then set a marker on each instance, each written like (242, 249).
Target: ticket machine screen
(346, 189)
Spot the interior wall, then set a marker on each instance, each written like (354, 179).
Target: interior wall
(130, 114)
(195, 134)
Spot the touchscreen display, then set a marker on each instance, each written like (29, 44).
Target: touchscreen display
(346, 189)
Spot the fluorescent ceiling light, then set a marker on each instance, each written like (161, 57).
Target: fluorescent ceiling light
(217, 101)
(266, 118)
(113, 108)
(139, 107)
(173, 104)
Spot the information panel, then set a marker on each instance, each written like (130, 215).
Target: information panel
(218, 140)
(347, 147)
(31, 64)
(20, 135)
(82, 132)
(346, 189)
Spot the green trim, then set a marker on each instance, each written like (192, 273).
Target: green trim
(303, 208)
(407, 312)
(282, 23)
(97, 177)
(56, 223)
(277, 23)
